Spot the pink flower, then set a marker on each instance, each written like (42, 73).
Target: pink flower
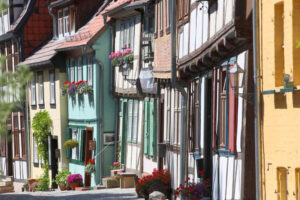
(116, 163)
(119, 172)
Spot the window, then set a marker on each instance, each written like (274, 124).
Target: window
(281, 183)
(72, 70)
(132, 120)
(161, 16)
(150, 127)
(90, 71)
(183, 9)
(167, 14)
(79, 70)
(77, 154)
(9, 57)
(66, 21)
(52, 86)
(35, 152)
(156, 18)
(41, 88)
(127, 34)
(16, 136)
(2, 145)
(33, 91)
(222, 116)
(279, 44)
(23, 139)
(297, 178)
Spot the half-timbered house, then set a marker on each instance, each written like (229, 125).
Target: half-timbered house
(133, 25)
(20, 34)
(214, 57)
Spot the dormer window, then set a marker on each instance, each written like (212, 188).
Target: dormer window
(66, 21)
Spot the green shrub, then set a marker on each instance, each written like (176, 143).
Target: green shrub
(70, 144)
(43, 183)
(1, 172)
(26, 186)
(61, 178)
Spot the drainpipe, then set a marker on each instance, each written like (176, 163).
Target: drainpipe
(180, 88)
(54, 22)
(255, 65)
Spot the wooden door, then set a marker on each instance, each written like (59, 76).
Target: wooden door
(88, 154)
(54, 160)
(161, 128)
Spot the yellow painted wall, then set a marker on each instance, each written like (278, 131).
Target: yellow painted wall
(58, 114)
(280, 113)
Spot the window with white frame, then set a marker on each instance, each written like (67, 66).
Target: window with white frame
(90, 71)
(132, 120)
(66, 21)
(35, 152)
(75, 151)
(79, 70)
(52, 86)
(33, 91)
(41, 88)
(127, 34)
(161, 14)
(72, 70)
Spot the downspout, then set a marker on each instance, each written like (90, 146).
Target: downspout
(181, 89)
(54, 22)
(255, 65)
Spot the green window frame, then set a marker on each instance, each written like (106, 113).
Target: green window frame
(89, 71)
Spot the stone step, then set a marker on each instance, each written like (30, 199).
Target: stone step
(82, 188)
(6, 189)
(6, 183)
(99, 187)
(10, 178)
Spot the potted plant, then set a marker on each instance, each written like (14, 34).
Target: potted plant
(122, 57)
(25, 187)
(194, 191)
(160, 180)
(90, 166)
(70, 144)
(74, 180)
(61, 179)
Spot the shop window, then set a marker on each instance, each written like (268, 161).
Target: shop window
(279, 44)
(296, 37)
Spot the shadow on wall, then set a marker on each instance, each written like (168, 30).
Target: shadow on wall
(280, 101)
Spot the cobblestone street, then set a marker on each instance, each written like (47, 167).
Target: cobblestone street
(116, 194)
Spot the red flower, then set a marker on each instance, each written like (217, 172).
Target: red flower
(66, 82)
(91, 161)
(201, 172)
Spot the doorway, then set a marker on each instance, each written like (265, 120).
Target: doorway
(9, 156)
(88, 154)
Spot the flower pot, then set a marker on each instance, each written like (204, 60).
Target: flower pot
(74, 185)
(62, 187)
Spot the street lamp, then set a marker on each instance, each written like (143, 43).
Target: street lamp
(236, 76)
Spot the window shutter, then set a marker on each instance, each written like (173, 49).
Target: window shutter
(16, 136)
(132, 34)
(123, 153)
(35, 152)
(129, 122)
(72, 19)
(72, 72)
(23, 138)
(135, 121)
(146, 131)
(3, 145)
(197, 113)
(232, 122)
(79, 70)
(82, 147)
(152, 128)
(52, 87)
(68, 136)
(41, 88)
(297, 178)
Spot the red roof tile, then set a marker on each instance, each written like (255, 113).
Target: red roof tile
(44, 54)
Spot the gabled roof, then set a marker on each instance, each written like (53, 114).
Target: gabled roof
(44, 54)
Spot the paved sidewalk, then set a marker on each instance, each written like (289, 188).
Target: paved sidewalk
(110, 194)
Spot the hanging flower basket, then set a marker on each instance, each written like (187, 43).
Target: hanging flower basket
(81, 87)
(70, 144)
(90, 167)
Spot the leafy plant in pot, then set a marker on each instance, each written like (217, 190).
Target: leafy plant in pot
(74, 180)
(61, 179)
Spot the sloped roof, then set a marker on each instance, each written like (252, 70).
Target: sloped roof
(44, 54)
(26, 10)
(114, 4)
